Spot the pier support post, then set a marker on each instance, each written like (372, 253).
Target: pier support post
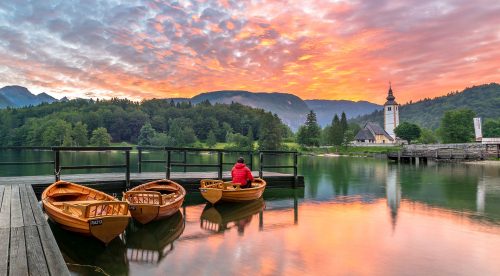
(261, 165)
(127, 173)
(219, 172)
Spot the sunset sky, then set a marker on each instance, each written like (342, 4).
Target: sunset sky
(313, 49)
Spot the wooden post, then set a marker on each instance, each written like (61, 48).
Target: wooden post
(219, 172)
(167, 165)
(261, 165)
(295, 169)
(250, 164)
(185, 160)
(139, 163)
(295, 208)
(127, 174)
(57, 165)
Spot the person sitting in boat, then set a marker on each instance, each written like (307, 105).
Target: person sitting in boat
(241, 174)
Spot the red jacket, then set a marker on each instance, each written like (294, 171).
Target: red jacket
(241, 174)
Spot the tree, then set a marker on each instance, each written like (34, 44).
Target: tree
(310, 133)
(56, 132)
(343, 123)
(407, 131)
(211, 139)
(427, 136)
(146, 134)
(100, 137)
(162, 140)
(80, 135)
(239, 142)
(336, 132)
(457, 126)
(491, 128)
(270, 134)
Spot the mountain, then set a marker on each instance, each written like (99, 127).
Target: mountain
(291, 109)
(4, 102)
(483, 99)
(18, 96)
(326, 109)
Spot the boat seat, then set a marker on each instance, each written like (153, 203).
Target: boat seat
(166, 198)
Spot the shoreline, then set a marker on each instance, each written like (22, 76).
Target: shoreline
(484, 163)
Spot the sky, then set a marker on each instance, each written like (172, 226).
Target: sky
(313, 49)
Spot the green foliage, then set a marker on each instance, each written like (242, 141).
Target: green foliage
(427, 136)
(146, 134)
(336, 132)
(310, 133)
(270, 132)
(491, 128)
(484, 100)
(174, 125)
(80, 135)
(211, 139)
(239, 142)
(100, 137)
(162, 140)
(407, 131)
(457, 126)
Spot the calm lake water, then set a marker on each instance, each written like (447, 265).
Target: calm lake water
(356, 216)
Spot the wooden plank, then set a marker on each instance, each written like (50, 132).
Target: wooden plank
(55, 261)
(37, 264)
(16, 214)
(26, 208)
(18, 262)
(35, 207)
(2, 188)
(4, 250)
(5, 210)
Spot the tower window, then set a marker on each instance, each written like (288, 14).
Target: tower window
(389, 108)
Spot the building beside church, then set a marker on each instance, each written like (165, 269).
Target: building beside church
(372, 133)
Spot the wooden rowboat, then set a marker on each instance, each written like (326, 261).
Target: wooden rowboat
(155, 200)
(217, 190)
(84, 210)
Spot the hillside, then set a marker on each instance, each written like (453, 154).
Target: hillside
(291, 109)
(325, 109)
(18, 96)
(483, 99)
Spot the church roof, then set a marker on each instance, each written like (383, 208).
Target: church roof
(364, 134)
(390, 97)
(369, 131)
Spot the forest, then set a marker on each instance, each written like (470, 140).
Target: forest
(157, 122)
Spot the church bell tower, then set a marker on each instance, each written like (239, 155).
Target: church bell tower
(391, 114)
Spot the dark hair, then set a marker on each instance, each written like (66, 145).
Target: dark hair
(241, 160)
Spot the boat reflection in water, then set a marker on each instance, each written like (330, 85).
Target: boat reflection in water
(151, 242)
(224, 216)
(86, 255)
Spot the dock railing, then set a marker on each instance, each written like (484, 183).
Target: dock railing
(263, 166)
(58, 167)
(184, 162)
(10, 163)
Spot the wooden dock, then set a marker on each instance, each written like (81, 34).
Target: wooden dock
(114, 182)
(28, 246)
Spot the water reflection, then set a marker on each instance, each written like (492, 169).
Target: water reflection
(221, 217)
(152, 242)
(86, 255)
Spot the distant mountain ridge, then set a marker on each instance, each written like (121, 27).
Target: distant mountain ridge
(291, 109)
(325, 109)
(484, 100)
(18, 96)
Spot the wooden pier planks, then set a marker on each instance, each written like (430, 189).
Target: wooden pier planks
(27, 245)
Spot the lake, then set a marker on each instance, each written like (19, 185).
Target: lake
(355, 216)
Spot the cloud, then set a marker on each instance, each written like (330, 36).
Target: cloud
(341, 50)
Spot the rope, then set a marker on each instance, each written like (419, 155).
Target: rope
(96, 268)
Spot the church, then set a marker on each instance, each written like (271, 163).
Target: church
(372, 133)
